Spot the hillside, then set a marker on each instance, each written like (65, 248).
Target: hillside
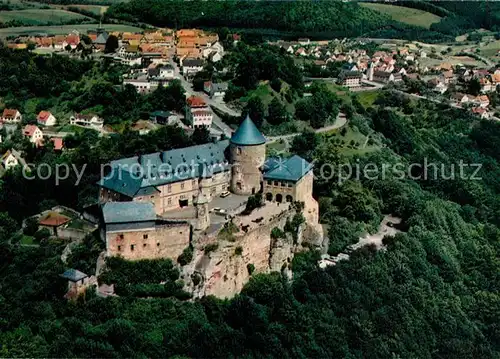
(403, 14)
(41, 17)
(333, 19)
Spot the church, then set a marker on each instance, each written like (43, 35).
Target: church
(175, 179)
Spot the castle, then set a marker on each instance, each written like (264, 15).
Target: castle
(195, 175)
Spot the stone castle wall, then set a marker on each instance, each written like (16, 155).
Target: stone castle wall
(161, 241)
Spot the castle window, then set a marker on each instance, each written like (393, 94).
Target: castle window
(144, 245)
(269, 182)
(169, 201)
(158, 244)
(238, 150)
(169, 188)
(276, 183)
(121, 236)
(152, 197)
(132, 246)
(290, 184)
(145, 236)
(194, 183)
(182, 185)
(119, 248)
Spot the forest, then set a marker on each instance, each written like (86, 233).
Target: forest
(269, 19)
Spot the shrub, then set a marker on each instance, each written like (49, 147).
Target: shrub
(196, 278)
(250, 268)
(238, 251)
(186, 256)
(31, 226)
(277, 233)
(253, 202)
(42, 234)
(210, 247)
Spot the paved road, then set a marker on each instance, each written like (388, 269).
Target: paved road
(339, 122)
(213, 103)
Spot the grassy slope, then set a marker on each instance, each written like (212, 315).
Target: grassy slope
(404, 14)
(39, 16)
(61, 30)
(96, 9)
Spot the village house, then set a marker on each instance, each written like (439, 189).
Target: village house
(11, 159)
(459, 98)
(198, 113)
(142, 86)
(162, 117)
(34, 134)
(11, 116)
(437, 85)
(350, 78)
(486, 85)
(45, 118)
(58, 143)
(386, 77)
(215, 89)
(89, 120)
(481, 112)
(447, 77)
(191, 66)
(482, 100)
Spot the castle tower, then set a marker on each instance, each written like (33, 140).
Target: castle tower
(248, 153)
(202, 214)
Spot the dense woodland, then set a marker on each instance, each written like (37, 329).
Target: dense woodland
(432, 294)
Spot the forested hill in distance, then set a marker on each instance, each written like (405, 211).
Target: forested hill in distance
(315, 19)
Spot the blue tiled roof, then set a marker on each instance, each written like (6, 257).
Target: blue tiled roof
(73, 275)
(291, 169)
(123, 212)
(137, 176)
(248, 134)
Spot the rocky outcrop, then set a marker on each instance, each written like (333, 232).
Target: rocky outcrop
(222, 264)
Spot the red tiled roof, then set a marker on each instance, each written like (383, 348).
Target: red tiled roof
(58, 143)
(73, 39)
(9, 113)
(43, 116)
(29, 130)
(54, 219)
(195, 101)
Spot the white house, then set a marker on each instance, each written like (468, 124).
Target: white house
(34, 134)
(92, 121)
(167, 72)
(11, 159)
(45, 118)
(198, 113)
(215, 89)
(11, 116)
(191, 66)
(142, 86)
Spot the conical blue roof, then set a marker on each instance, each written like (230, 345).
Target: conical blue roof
(248, 134)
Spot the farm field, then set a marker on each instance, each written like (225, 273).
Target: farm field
(62, 29)
(40, 16)
(96, 9)
(404, 14)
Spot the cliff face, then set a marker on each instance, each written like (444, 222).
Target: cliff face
(224, 271)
